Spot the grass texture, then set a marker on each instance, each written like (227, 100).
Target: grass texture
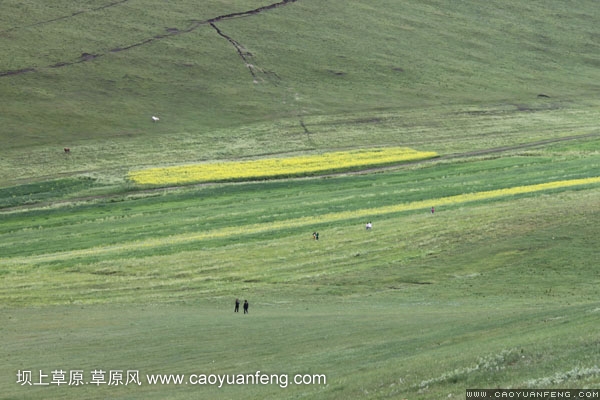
(496, 288)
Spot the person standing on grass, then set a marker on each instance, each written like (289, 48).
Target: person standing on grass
(432, 210)
(246, 305)
(237, 305)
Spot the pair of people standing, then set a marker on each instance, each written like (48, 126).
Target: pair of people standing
(237, 306)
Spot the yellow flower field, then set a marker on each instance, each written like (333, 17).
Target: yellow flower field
(276, 167)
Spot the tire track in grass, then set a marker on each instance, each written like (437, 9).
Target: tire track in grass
(170, 33)
(272, 226)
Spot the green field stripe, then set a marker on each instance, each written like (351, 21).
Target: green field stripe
(302, 221)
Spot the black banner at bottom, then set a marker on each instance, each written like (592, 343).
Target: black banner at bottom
(541, 394)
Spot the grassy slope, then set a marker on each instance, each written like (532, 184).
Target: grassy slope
(410, 308)
(419, 65)
(493, 294)
(511, 288)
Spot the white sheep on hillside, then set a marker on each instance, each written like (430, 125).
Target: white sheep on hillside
(155, 119)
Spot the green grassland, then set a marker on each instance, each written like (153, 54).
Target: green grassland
(98, 273)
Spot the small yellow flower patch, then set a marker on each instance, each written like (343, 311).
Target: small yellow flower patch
(276, 167)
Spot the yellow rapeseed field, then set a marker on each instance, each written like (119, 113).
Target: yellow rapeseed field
(276, 167)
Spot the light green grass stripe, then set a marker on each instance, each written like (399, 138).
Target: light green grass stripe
(302, 221)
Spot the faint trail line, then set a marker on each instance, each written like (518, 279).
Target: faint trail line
(493, 150)
(252, 229)
(65, 16)
(195, 24)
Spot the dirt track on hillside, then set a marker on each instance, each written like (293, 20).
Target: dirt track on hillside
(85, 57)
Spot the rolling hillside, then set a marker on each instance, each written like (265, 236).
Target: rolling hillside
(480, 270)
(90, 75)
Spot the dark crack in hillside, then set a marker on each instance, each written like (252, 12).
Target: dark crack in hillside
(242, 52)
(195, 24)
